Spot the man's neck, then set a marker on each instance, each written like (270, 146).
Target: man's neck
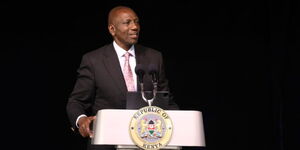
(123, 46)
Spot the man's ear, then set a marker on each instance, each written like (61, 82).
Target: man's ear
(111, 29)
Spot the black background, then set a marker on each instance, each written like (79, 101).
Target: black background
(235, 61)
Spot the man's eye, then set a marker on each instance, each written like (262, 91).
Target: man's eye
(127, 22)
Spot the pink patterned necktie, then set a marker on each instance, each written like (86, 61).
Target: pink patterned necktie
(128, 76)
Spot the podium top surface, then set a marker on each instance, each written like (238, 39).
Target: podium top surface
(111, 127)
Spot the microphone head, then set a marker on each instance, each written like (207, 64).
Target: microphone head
(153, 71)
(140, 71)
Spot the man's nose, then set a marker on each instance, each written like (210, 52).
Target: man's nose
(135, 26)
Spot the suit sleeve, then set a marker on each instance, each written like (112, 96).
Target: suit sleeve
(82, 96)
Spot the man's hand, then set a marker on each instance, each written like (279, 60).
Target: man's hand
(84, 126)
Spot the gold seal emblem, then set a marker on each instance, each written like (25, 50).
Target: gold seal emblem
(151, 128)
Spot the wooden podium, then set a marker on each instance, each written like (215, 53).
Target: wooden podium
(111, 127)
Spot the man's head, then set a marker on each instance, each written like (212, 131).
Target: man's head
(123, 25)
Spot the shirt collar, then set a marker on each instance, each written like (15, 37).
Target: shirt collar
(120, 51)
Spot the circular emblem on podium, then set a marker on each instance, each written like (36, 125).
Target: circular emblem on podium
(151, 128)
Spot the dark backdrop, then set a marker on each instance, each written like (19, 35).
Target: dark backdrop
(235, 61)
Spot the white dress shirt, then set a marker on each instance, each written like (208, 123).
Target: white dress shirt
(132, 60)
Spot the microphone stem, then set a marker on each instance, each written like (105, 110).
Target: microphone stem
(143, 93)
(154, 90)
(149, 101)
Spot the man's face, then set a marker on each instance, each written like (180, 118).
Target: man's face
(125, 28)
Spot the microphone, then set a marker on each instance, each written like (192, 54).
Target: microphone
(153, 71)
(140, 71)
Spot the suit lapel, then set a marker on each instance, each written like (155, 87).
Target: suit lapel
(112, 64)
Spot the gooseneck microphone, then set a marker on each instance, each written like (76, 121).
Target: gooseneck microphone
(140, 70)
(153, 71)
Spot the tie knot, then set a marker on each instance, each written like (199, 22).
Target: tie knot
(127, 55)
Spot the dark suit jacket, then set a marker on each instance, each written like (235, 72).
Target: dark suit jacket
(101, 85)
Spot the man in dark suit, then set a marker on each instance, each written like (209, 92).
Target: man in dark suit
(101, 82)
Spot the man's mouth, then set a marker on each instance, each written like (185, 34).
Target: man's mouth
(134, 36)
